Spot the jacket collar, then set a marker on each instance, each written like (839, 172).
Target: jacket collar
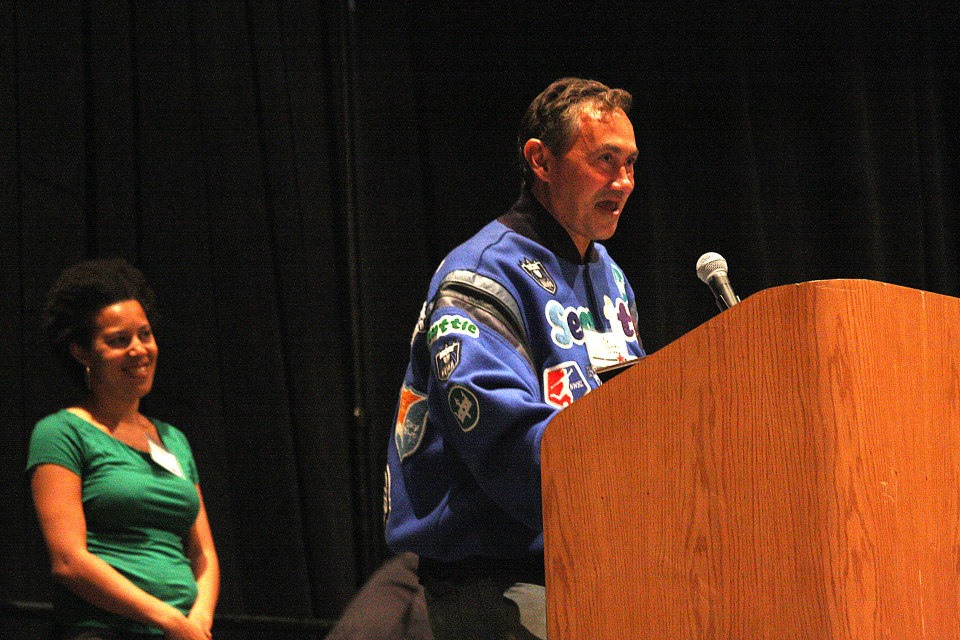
(530, 219)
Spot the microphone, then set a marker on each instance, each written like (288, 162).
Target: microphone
(712, 270)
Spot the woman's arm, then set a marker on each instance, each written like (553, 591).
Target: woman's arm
(58, 502)
(206, 568)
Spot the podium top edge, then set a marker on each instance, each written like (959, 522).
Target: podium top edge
(843, 283)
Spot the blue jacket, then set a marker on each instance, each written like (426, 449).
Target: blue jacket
(501, 345)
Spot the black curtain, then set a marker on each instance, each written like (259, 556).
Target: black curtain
(289, 174)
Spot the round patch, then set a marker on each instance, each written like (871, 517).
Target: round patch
(464, 407)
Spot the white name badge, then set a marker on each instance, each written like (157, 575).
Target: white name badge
(166, 459)
(606, 348)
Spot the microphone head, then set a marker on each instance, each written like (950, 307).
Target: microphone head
(709, 265)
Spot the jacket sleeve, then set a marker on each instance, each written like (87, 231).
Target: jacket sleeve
(485, 395)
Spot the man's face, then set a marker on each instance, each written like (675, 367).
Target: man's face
(589, 185)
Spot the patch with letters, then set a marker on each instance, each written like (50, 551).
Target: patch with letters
(618, 314)
(411, 421)
(447, 359)
(564, 383)
(540, 275)
(567, 324)
(449, 324)
(620, 279)
(464, 407)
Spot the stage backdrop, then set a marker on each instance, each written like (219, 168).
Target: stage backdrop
(288, 175)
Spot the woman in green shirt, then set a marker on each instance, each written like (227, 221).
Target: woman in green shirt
(116, 493)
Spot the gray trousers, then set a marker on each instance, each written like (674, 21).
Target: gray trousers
(485, 608)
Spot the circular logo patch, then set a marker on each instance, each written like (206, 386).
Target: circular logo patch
(464, 407)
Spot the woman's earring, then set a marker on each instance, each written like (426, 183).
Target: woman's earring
(86, 377)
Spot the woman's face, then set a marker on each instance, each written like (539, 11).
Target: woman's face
(122, 355)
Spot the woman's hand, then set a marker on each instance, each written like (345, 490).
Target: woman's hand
(184, 628)
(202, 619)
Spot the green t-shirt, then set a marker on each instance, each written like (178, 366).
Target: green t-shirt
(138, 513)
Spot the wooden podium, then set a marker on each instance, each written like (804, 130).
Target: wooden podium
(788, 470)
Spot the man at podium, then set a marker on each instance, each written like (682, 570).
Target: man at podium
(517, 322)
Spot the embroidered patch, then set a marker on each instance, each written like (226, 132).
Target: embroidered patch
(464, 407)
(452, 324)
(411, 421)
(618, 315)
(564, 383)
(592, 374)
(447, 359)
(567, 323)
(540, 275)
(620, 279)
(386, 494)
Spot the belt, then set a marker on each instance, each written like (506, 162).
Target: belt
(528, 569)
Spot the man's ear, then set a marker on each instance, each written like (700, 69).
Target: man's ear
(538, 158)
(79, 354)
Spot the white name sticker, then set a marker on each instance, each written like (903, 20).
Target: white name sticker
(166, 459)
(607, 348)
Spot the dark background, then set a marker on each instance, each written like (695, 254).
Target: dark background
(288, 175)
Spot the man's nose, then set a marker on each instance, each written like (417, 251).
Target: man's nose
(624, 179)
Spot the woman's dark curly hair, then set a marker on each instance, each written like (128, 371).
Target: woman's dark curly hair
(554, 116)
(78, 294)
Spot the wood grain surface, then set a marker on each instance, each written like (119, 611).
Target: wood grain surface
(789, 470)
